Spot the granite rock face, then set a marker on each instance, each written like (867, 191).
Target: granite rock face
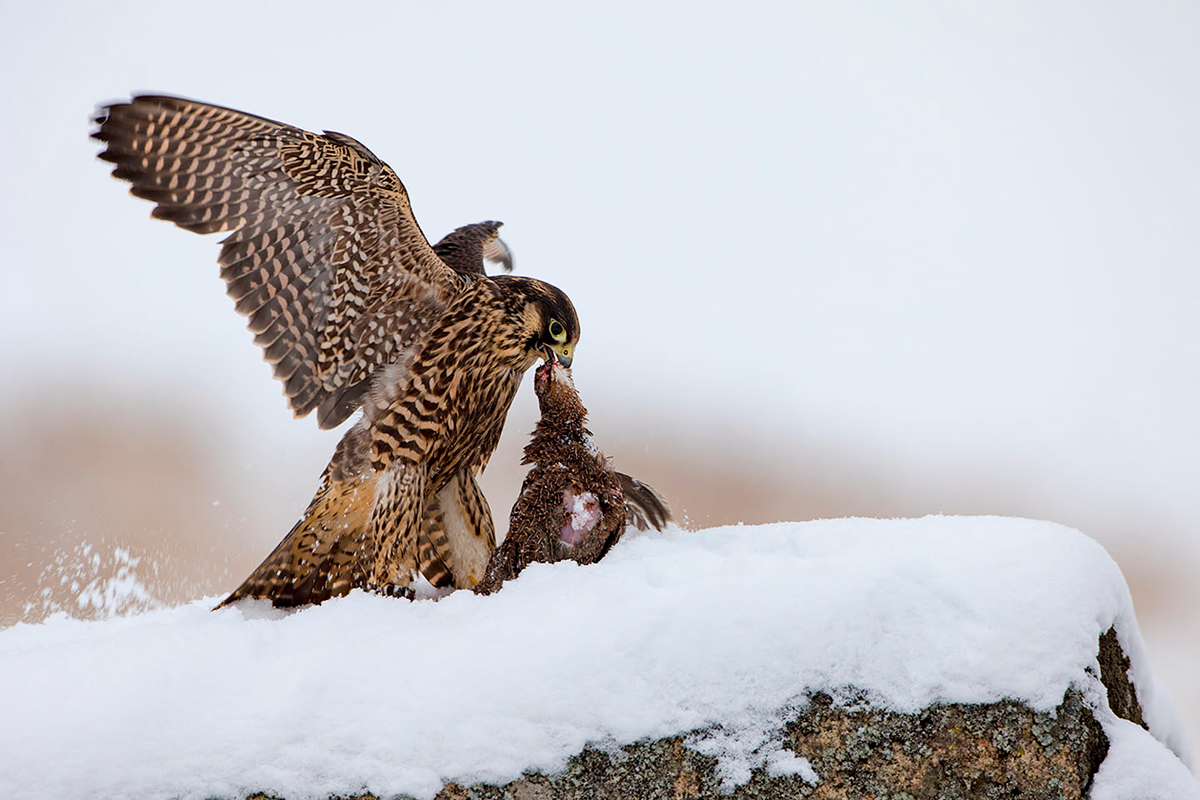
(948, 752)
(1000, 750)
(951, 751)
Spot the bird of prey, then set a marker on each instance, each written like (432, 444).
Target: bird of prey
(573, 504)
(352, 306)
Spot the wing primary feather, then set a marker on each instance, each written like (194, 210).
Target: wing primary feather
(323, 253)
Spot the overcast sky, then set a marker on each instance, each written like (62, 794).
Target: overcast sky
(939, 234)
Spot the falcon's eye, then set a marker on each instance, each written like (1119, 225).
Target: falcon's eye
(557, 332)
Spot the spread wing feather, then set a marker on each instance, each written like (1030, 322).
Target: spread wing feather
(644, 508)
(323, 257)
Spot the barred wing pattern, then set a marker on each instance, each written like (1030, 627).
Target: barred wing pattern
(644, 508)
(324, 257)
(465, 249)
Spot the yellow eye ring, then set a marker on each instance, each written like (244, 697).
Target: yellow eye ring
(557, 332)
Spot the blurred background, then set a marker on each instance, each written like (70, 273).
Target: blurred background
(829, 260)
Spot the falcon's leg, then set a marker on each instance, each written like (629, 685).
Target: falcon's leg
(478, 513)
(395, 525)
(469, 527)
(435, 559)
(457, 535)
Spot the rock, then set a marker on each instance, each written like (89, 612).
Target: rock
(995, 750)
(1000, 750)
(1114, 674)
(950, 751)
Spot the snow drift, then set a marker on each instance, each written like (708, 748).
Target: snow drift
(671, 633)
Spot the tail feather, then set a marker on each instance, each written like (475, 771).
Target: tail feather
(644, 507)
(323, 556)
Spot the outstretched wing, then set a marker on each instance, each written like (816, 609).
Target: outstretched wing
(324, 256)
(464, 249)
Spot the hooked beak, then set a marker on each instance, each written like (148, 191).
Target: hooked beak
(559, 352)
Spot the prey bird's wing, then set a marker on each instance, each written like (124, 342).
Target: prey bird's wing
(644, 508)
(323, 256)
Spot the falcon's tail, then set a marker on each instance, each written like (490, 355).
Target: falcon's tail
(644, 507)
(323, 556)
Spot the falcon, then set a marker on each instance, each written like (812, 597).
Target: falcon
(353, 307)
(573, 504)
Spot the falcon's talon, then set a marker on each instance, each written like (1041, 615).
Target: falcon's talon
(391, 590)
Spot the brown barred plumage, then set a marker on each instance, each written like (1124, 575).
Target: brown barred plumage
(323, 256)
(352, 306)
(573, 504)
(465, 249)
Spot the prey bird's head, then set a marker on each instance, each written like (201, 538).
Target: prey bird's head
(555, 389)
(558, 400)
(549, 320)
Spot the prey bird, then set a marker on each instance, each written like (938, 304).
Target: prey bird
(353, 307)
(573, 504)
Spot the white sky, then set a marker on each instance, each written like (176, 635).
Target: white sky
(938, 234)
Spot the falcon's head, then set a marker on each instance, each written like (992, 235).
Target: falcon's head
(548, 318)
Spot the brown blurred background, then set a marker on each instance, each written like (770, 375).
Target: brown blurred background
(166, 482)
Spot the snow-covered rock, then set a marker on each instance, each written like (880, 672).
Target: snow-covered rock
(726, 630)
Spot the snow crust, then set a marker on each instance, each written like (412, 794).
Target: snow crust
(726, 629)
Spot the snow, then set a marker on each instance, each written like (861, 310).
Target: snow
(1135, 768)
(104, 580)
(671, 633)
